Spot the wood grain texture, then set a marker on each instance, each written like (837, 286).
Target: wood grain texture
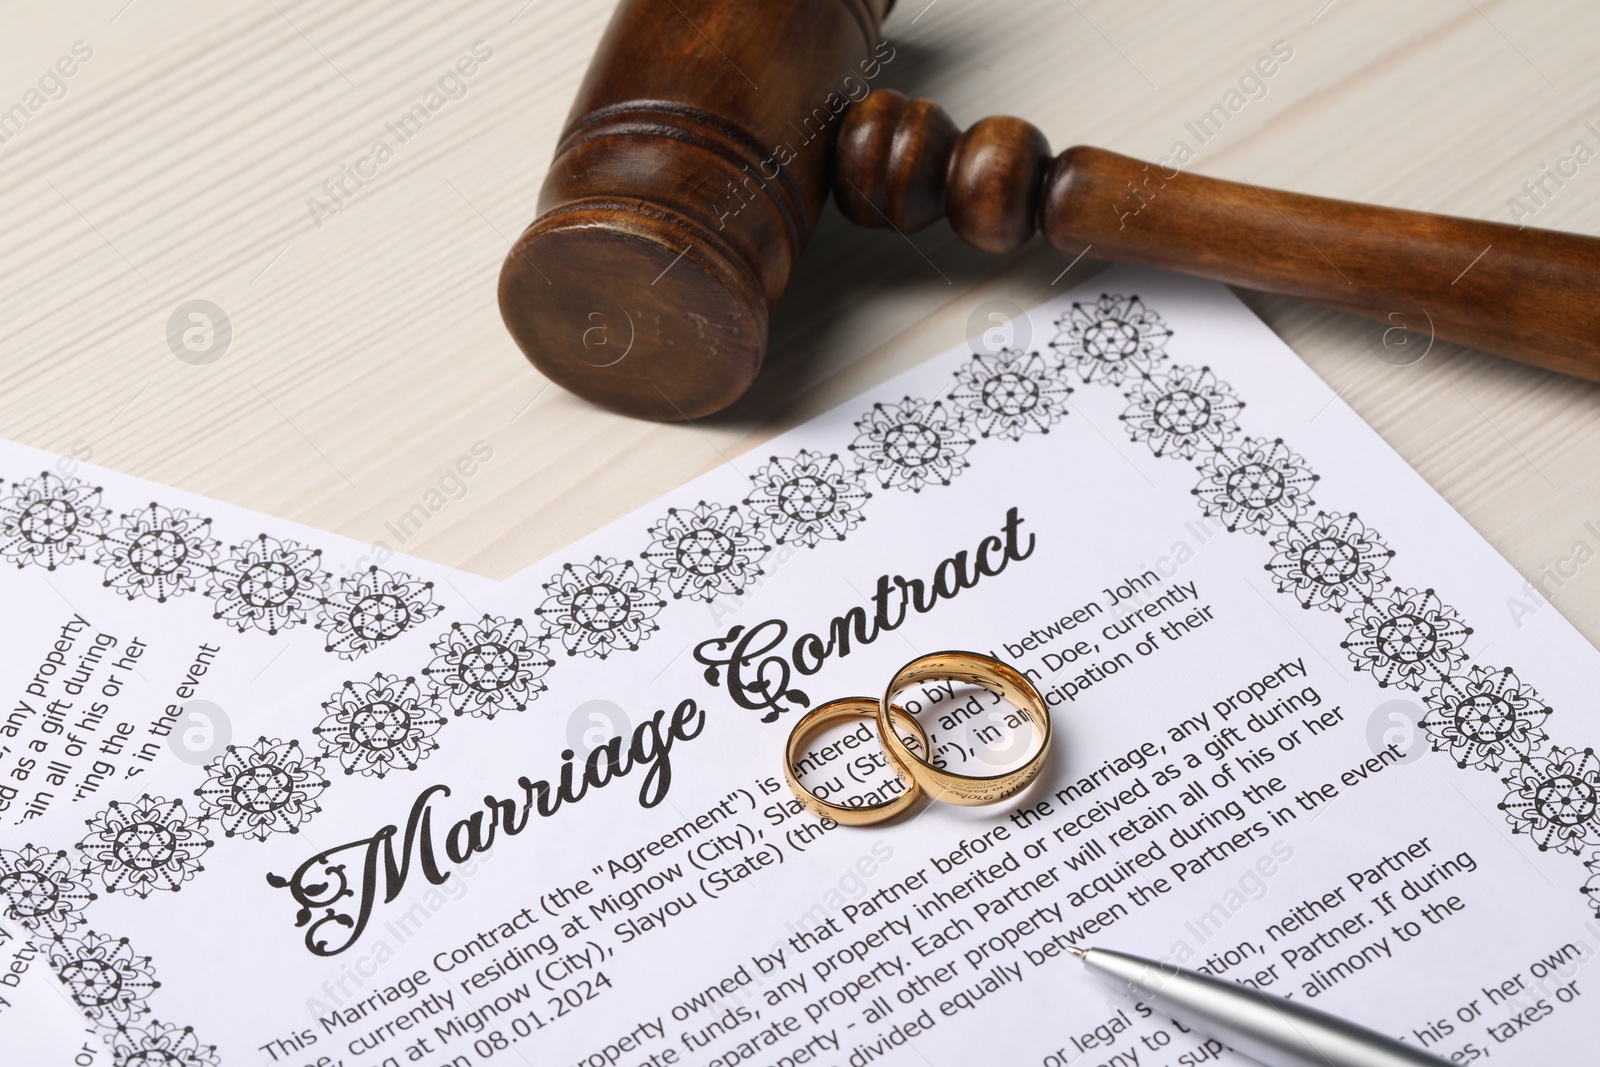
(1532, 300)
(368, 351)
(1523, 293)
(996, 176)
(891, 162)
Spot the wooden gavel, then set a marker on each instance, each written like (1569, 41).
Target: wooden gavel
(707, 134)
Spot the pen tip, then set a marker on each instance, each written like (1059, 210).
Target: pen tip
(1078, 952)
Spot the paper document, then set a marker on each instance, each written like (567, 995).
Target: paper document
(1310, 735)
(148, 631)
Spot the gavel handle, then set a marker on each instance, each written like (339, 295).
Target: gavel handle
(1530, 295)
(1526, 294)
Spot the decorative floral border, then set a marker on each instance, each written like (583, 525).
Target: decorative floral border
(161, 553)
(1482, 717)
(154, 845)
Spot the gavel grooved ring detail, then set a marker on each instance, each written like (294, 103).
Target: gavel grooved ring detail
(692, 170)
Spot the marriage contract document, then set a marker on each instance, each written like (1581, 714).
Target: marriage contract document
(1311, 734)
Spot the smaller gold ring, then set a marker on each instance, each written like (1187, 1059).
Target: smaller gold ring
(828, 714)
(974, 669)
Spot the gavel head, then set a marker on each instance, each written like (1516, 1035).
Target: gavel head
(686, 183)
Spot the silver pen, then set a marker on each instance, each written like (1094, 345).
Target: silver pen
(1268, 1029)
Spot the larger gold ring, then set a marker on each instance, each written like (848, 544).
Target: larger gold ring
(973, 669)
(826, 715)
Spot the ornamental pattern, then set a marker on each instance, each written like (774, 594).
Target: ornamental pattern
(1553, 799)
(1182, 411)
(157, 552)
(1111, 339)
(1255, 486)
(161, 1045)
(266, 788)
(807, 498)
(1009, 394)
(601, 607)
(49, 521)
(487, 667)
(1591, 888)
(911, 445)
(706, 552)
(1329, 561)
(104, 978)
(1485, 718)
(1406, 638)
(151, 846)
(372, 608)
(372, 728)
(42, 891)
(268, 584)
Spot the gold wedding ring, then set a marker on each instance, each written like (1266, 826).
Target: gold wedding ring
(834, 711)
(971, 668)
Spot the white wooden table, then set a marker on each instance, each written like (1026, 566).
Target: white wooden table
(186, 158)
